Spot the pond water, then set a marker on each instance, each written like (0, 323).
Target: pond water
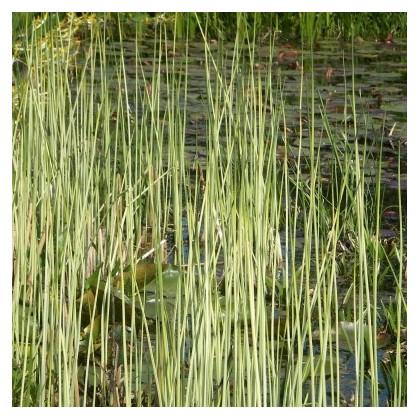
(379, 80)
(379, 76)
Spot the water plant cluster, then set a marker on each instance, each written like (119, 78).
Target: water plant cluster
(222, 25)
(258, 270)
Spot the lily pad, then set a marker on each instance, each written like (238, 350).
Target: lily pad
(123, 289)
(171, 276)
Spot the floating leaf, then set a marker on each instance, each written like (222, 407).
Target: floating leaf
(87, 300)
(93, 328)
(145, 273)
(154, 306)
(171, 275)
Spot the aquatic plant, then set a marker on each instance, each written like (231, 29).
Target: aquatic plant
(261, 230)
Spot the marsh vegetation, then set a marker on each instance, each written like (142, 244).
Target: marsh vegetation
(201, 221)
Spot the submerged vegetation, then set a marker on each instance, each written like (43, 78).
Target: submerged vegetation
(246, 250)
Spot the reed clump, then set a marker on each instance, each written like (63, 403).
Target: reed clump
(229, 268)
